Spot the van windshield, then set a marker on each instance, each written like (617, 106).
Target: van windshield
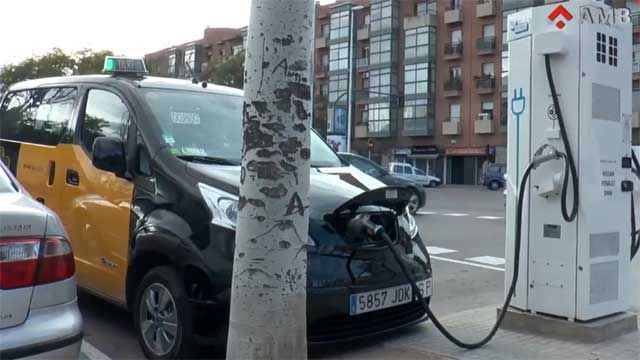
(200, 124)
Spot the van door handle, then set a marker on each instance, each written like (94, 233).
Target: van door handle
(73, 178)
(52, 172)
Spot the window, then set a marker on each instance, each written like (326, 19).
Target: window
(416, 113)
(237, 49)
(367, 20)
(454, 4)
(337, 120)
(365, 81)
(408, 170)
(381, 15)
(487, 108)
(340, 25)
(380, 48)
(455, 72)
(324, 89)
(488, 31)
(420, 42)
(426, 7)
(325, 30)
(380, 82)
(364, 113)
(456, 37)
(417, 79)
(505, 65)
(339, 56)
(172, 64)
(419, 172)
(379, 118)
(38, 116)
(105, 115)
(397, 169)
(325, 61)
(338, 85)
(454, 112)
(487, 69)
(190, 60)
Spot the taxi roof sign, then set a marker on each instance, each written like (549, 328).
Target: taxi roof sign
(122, 65)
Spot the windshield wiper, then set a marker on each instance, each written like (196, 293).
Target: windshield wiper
(204, 159)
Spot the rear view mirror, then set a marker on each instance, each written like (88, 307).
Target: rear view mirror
(108, 155)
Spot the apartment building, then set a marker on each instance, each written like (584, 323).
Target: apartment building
(198, 55)
(424, 82)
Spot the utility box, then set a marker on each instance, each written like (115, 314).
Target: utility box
(578, 270)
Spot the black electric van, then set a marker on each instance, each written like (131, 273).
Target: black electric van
(144, 173)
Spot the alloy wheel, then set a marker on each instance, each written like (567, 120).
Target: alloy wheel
(158, 319)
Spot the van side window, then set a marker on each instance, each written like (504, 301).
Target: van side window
(397, 169)
(38, 116)
(105, 115)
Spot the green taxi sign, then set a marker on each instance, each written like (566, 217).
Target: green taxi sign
(122, 65)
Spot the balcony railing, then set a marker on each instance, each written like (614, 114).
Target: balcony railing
(635, 66)
(362, 63)
(486, 45)
(451, 126)
(453, 15)
(486, 85)
(453, 84)
(453, 50)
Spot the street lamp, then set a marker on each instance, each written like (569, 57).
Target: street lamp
(351, 71)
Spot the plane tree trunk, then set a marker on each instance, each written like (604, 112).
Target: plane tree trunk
(268, 292)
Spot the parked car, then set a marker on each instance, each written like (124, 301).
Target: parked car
(145, 174)
(369, 167)
(493, 177)
(39, 314)
(414, 174)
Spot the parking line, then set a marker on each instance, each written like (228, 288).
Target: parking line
(467, 263)
(490, 217)
(489, 260)
(426, 213)
(435, 250)
(90, 352)
(455, 214)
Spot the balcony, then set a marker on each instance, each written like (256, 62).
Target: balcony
(453, 87)
(484, 124)
(486, 85)
(451, 127)
(321, 42)
(361, 131)
(635, 69)
(322, 70)
(635, 20)
(486, 45)
(453, 51)
(420, 21)
(363, 33)
(485, 8)
(362, 64)
(452, 16)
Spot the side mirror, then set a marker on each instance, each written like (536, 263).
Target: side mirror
(108, 155)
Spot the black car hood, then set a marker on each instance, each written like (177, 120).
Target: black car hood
(330, 188)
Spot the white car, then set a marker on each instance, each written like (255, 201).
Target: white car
(414, 174)
(39, 316)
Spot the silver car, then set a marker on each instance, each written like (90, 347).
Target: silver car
(39, 316)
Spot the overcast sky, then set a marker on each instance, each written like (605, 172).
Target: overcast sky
(128, 27)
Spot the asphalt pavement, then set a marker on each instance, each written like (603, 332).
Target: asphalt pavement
(463, 228)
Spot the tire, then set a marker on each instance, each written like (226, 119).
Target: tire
(172, 341)
(414, 202)
(433, 183)
(494, 185)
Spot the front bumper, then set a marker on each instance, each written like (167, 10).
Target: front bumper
(48, 333)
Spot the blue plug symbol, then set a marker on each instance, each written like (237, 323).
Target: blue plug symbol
(518, 105)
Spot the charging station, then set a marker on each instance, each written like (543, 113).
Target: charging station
(580, 269)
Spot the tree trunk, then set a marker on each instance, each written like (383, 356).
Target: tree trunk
(268, 298)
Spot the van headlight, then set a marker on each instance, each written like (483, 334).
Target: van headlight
(224, 208)
(408, 223)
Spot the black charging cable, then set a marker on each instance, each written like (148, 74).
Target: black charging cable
(635, 234)
(568, 216)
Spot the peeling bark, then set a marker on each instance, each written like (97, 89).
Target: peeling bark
(268, 299)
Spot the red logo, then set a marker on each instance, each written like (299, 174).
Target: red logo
(560, 11)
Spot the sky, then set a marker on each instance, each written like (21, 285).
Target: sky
(128, 27)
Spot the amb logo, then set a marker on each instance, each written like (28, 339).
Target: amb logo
(604, 16)
(560, 11)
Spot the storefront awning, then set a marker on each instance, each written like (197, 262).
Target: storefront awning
(466, 151)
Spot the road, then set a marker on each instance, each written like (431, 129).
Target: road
(463, 228)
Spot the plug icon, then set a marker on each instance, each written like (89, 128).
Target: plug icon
(518, 103)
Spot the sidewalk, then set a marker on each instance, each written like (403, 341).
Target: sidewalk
(425, 342)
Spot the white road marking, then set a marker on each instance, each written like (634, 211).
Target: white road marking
(467, 263)
(438, 250)
(426, 213)
(490, 217)
(455, 214)
(489, 260)
(89, 351)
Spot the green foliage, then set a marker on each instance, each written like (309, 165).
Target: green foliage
(229, 72)
(55, 63)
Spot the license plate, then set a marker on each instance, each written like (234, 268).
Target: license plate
(386, 298)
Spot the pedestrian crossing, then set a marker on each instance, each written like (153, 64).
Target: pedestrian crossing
(485, 262)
